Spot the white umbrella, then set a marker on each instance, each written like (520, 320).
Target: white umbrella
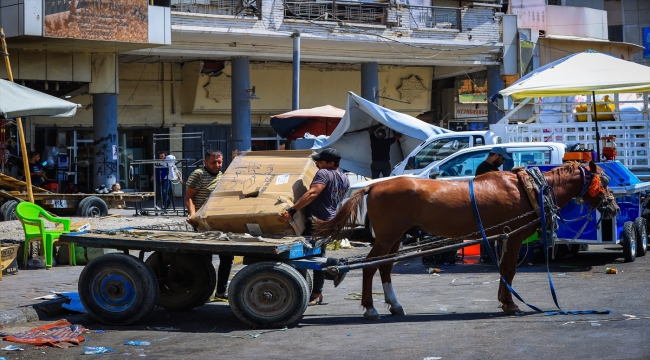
(583, 73)
(19, 101)
(352, 140)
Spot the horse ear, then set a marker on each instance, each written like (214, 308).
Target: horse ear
(592, 167)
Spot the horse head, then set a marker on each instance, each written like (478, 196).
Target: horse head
(595, 191)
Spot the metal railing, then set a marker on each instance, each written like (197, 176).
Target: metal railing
(435, 17)
(336, 11)
(216, 7)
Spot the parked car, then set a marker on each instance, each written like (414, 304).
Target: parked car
(462, 166)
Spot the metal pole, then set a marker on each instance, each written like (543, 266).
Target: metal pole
(370, 81)
(19, 121)
(593, 94)
(295, 99)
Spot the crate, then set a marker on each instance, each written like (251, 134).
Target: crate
(9, 262)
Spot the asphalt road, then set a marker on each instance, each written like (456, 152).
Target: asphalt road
(452, 315)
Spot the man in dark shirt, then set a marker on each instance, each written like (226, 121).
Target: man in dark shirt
(496, 158)
(36, 172)
(321, 200)
(380, 149)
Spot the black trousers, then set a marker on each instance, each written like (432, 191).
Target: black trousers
(319, 276)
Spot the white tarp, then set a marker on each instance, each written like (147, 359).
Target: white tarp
(19, 101)
(352, 139)
(582, 74)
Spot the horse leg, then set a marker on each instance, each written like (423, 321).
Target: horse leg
(389, 295)
(508, 269)
(380, 248)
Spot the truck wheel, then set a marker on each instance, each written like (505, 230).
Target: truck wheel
(268, 294)
(92, 206)
(8, 210)
(629, 241)
(185, 281)
(310, 282)
(118, 289)
(641, 236)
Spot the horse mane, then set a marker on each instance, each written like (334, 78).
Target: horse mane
(556, 177)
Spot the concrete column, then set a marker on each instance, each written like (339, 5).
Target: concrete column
(370, 81)
(495, 84)
(241, 105)
(105, 131)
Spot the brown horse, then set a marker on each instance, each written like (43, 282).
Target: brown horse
(443, 208)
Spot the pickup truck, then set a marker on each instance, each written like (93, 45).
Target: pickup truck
(462, 165)
(439, 147)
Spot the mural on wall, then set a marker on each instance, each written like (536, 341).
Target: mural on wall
(219, 88)
(411, 88)
(106, 164)
(114, 20)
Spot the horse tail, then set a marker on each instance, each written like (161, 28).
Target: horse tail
(346, 215)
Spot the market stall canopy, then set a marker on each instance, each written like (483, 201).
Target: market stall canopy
(352, 139)
(320, 120)
(19, 101)
(582, 73)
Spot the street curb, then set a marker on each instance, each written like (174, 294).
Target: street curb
(31, 313)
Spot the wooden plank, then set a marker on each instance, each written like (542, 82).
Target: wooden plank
(175, 241)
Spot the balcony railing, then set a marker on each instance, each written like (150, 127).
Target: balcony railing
(435, 17)
(216, 7)
(336, 11)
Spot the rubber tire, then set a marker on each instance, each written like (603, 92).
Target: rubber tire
(641, 236)
(92, 206)
(629, 241)
(287, 289)
(190, 285)
(307, 275)
(118, 271)
(8, 210)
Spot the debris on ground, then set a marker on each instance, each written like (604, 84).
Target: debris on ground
(53, 334)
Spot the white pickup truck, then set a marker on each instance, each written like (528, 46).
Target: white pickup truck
(439, 147)
(462, 165)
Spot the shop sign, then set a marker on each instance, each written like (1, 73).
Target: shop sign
(112, 20)
(471, 111)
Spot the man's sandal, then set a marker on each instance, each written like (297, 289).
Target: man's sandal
(315, 299)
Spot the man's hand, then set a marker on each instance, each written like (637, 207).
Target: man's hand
(285, 217)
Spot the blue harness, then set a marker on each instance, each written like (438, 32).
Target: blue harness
(544, 189)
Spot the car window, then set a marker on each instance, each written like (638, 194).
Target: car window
(463, 165)
(526, 157)
(438, 150)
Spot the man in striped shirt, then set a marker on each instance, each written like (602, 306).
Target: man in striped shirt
(199, 185)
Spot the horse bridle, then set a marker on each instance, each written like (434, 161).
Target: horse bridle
(587, 177)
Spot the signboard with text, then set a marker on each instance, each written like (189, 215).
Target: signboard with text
(112, 20)
(471, 111)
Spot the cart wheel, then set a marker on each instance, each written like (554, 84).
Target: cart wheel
(92, 206)
(629, 241)
(268, 294)
(8, 210)
(641, 236)
(185, 281)
(310, 283)
(118, 289)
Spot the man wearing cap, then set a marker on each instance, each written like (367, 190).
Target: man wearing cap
(495, 159)
(321, 201)
(380, 151)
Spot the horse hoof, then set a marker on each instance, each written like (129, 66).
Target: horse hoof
(511, 310)
(371, 314)
(397, 311)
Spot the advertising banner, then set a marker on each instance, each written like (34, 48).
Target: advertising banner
(112, 20)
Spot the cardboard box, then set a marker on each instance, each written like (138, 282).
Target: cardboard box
(8, 262)
(255, 189)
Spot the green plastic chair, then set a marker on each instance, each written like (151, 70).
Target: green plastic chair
(32, 217)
